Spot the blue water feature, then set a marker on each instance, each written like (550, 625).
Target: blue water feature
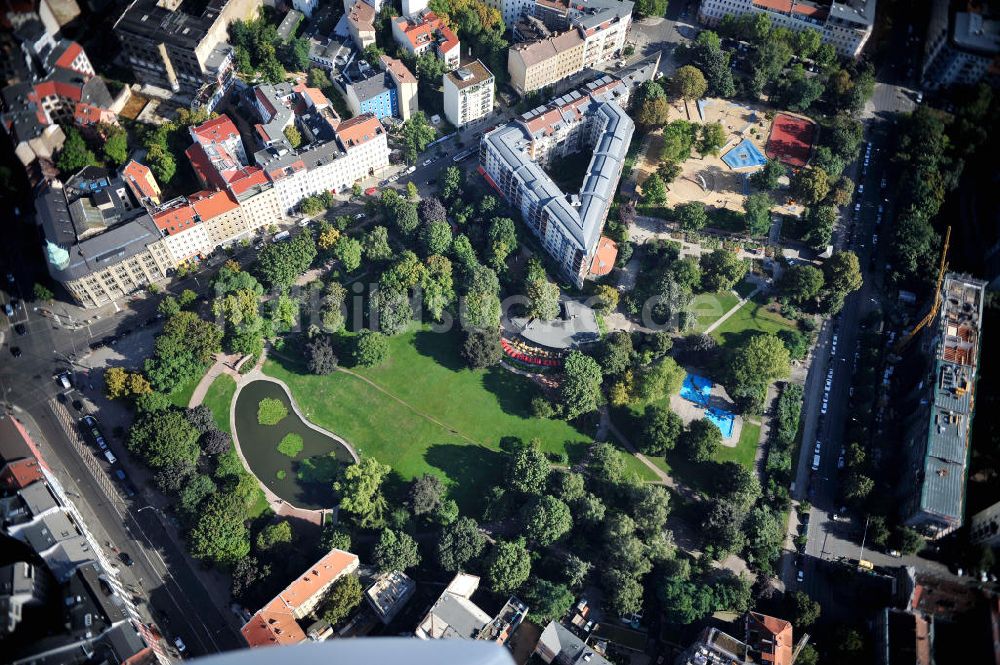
(743, 155)
(696, 389)
(722, 419)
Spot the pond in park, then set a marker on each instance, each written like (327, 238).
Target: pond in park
(303, 480)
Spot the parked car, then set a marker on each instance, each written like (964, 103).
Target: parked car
(110, 456)
(427, 162)
(126, 559)
(15, 351)
(119, 474)
(8, 309)
(64, 380)
(800, 577)
(179, 643)
(20, 329)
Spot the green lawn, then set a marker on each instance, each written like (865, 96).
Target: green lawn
(709, 307)
(752, 316)
(744, 288)
(746, 448)
(182, 394)
(218, 398)
(451, 419)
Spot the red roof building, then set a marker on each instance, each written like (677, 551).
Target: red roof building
(277, 622)
(604, 257)
(141, 181)
(769, 639)
(19, 474)
(358, 130)
(209, 204)
(176, 219)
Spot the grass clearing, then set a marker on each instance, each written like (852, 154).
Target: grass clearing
(753, 316)
(181, 396)
(745, 451)
(709, 308)
(218, 398)
(438, 416)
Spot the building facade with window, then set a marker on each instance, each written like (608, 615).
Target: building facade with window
(468, 93)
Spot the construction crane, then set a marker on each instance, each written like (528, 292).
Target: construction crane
(942, 268)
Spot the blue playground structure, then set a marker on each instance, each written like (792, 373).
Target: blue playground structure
(744, 155)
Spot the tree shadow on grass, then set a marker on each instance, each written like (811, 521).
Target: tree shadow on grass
(472, 470)
(513, 392)
(441, 347)
(733, 340)
(699, 476)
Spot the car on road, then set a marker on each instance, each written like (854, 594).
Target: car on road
(800, 577)
(896, 553)
(427, 162)
(119, 474)
(20, 329)
(126, 559)
(15, 351)
(64, 380)
(110, 456)
(8, 309)
(815, 462)
(360, 215)
(383, 183)
(179, 643)
(857, 207)
(394, 178)
(861, 187)
(371, 191)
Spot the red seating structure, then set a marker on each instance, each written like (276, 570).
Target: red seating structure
(524, 354)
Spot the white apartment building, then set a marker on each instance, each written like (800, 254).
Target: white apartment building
(183, 233)
(468, 93)
(511, 10)
(962, 48)
(419, 33)
(535, 65)
(844, 24)
(589, 121)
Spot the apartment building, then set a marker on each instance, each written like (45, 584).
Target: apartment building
(962, 47)
(984, 526)
(183, 233)
(454, 616)
(60, 88)
(425, 31)
(221, 215)
(589, 120)
(468, 93)
(368, 89)
(100, 242)
(589, 32)
(277, 623)
(844, 24)
(512, 10)
(936, 441)
(361, 24)
(406, 86)
(170, 48)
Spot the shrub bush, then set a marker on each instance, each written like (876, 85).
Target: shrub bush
(271, 411)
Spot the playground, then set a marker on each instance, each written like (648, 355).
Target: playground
(700, 398)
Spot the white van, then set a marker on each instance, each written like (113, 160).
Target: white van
(110, 456)
(64, 381)
(815, 464)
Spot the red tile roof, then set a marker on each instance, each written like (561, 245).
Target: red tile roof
(215, 130)
(59, 89)
(246, 178)
(209, 204)
(140, 179)
(604, 257)
(202, 165)
(69, 55)
(88, 114)
(176, 219)
(319, 100)
(430, 28)
(359, 129)
(781, 643)
(275, 624)
(20, 473)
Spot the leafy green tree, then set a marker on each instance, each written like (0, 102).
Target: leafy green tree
(711, 138)
(907, 540)
(764, 536)
(543, 295)
(395, 551)
(426, 494)
(502, 239)
(678, 140)
(482, 349)
(804, 610)
(701, 440)
(280, 263)
(546, 520)
(451, 183)
(371, 348)
(275, 535)
(508, 566)
(808, 655)
(416, 133)
(75, 153)
(607, 464)
(821, 222)
(857, 487)
(802, 283)
(843, 273)
(193, 493)
(653, 112)
(811, 184)
(348, 252)
(360, 488)
(689, 83)
(435, 237)
(767, 178)
(165, 438)
(691, 216)
(527, 469)
(318, 78)
(581, 386)
(460, 543)
(405, 217)
(376, 244)
(757, 213)
(616, 353)
(721, 270)
(481, 309)
(220, 535)
(115, 144)
(41, 292)
(343, 597)
(687, 273)
(825, 158)
(660, 429)
(548, 601)
(647, 8)
(660, 380)
(566, 485)
(624, 592)
(752, 365)
(162, 163)
(654, 191)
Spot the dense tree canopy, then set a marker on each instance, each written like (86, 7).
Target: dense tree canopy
(581, 386)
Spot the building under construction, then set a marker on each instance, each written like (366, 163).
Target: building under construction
(937, 437)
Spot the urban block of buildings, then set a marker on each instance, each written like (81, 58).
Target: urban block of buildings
(575, 36)
(468, 93)
(172, 49)
(424, 32)
(389, 593)
(560, 645)
(277, 623)
(361, 24)
(844, 24)
(57, 85)
(936, 442)
(108, 235)
(389, 92)
(766, 639)
(512, 158)
(961, 47)
(61, 599)
(455, 616)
